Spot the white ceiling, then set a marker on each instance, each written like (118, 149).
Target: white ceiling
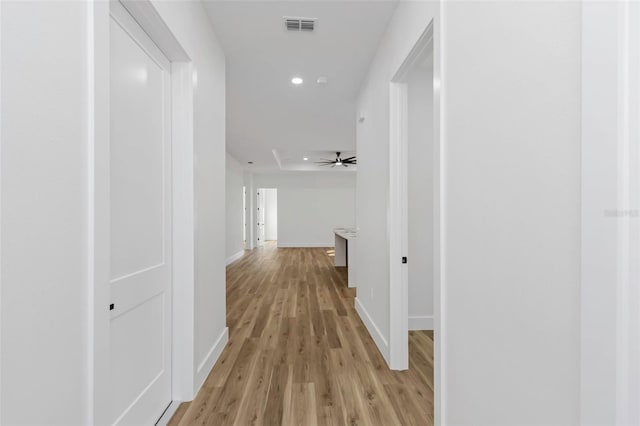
(294, 160)
(265, 112)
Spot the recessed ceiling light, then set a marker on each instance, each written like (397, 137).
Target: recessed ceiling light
(296, 80)
(306, 158)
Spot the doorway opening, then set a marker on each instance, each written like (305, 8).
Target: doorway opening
(415, 203)
(419, 187)
(267, 213)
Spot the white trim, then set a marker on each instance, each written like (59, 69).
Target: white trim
(140, 36)
(373, 329)
(302, 245)
(421, 323)
(398, 228)
(439, 221)
(183, 340)
(98, 212)
(205, 366)
(234, 257)
(148, 18)
(168, 413)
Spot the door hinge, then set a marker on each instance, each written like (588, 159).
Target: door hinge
(404, 259)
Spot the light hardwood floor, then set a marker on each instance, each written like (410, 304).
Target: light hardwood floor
(298, 354)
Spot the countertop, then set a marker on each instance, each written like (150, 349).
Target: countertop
(346, 233)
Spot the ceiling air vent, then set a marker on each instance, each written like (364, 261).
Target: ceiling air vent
(299, 24)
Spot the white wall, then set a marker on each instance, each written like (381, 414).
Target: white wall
(420, 195)
(310, 205)
(610, 287)
(234, 211)
(513, 260)
(270, 214)
(44, 324)
(510, 123)
(46, 308)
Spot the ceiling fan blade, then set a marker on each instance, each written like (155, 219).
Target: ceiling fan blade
(333, 166)
(348, 159)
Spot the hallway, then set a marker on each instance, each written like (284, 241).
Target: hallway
(298, 354)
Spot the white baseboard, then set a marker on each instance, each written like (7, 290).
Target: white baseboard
(204, 368)
(373, 329)
(235, 257)
(293, 245)
(421, 323)
(168, 413)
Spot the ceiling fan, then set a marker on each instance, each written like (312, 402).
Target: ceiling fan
(338, 161)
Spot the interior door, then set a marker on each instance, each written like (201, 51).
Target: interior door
(260, 205)
(140, 199)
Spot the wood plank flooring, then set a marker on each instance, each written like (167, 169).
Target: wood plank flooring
(298, 354)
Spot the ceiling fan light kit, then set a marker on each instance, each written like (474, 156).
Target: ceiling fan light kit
(339, 161)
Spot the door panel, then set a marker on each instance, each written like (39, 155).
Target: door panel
(140, 197)
(137, 186)
(140, 331)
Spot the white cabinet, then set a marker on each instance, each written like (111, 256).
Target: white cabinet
(345, 248)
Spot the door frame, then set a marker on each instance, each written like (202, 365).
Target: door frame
(259, 195)
(250, 227)
(398, 220)
(183, 80)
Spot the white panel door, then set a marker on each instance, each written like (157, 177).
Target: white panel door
(140, 197)
(260, 205)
